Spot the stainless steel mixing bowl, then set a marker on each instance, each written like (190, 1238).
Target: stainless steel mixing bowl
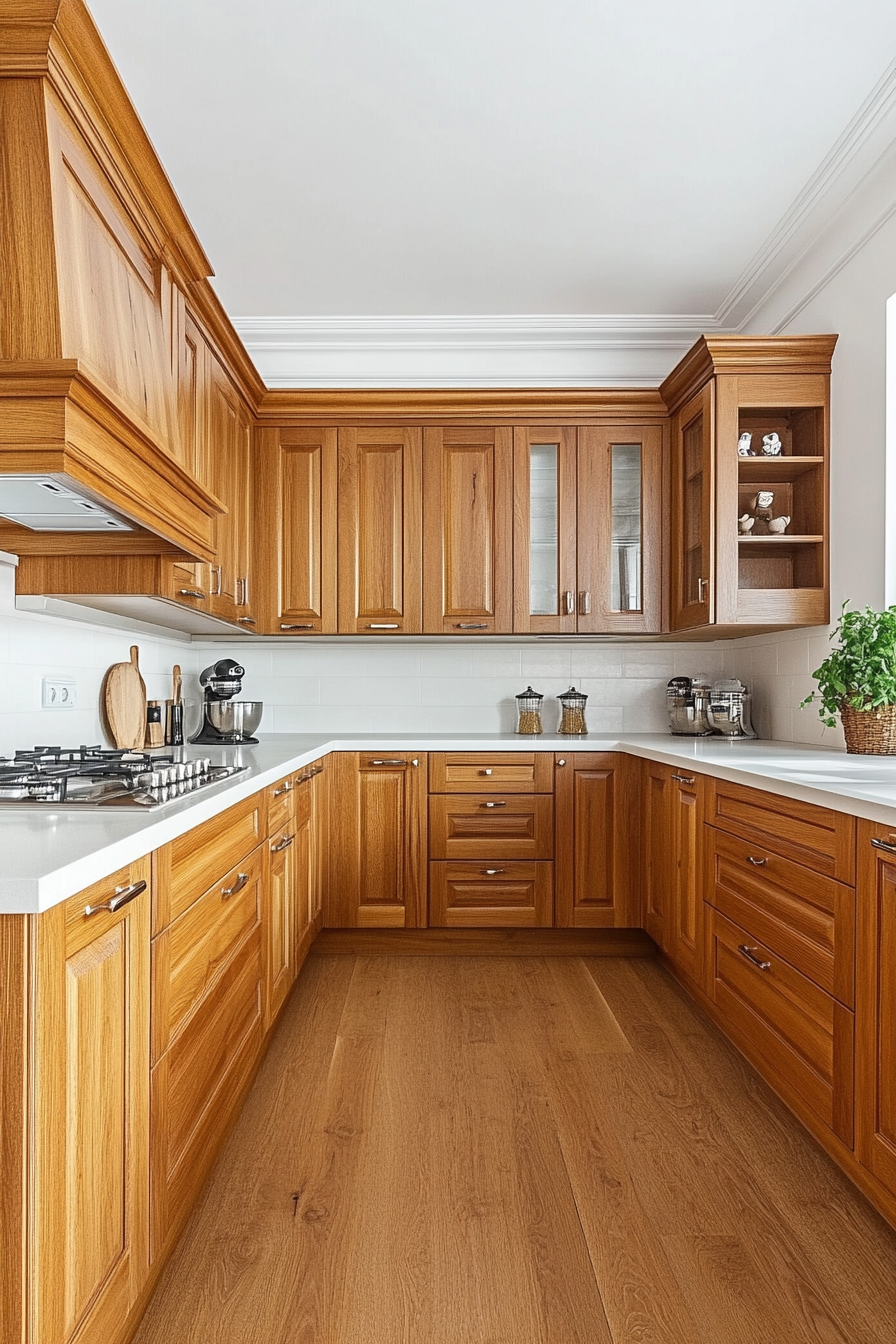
(235, 717)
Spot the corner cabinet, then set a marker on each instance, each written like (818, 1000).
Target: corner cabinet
(750, 470)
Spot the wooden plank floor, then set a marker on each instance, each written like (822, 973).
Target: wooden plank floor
(473, 1150)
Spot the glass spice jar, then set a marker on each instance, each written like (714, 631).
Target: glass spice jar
(528, 704)
(572, 719)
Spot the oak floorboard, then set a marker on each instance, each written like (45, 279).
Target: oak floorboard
(517, 1151)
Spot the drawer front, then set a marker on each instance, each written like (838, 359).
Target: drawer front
(201, 857)
(86, 916)
(807, 919)
(475, 895)
(518, 826)
(494, 772)
(281, 803)
(816, 837)
(783, 1020)
(192, 951)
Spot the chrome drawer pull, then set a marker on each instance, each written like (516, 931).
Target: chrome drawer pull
(683, 779)
(191, 592)
(752, 958)
(121, 897)
(383, 625)
(385, 761)
(238, 885)
(284, 843)
(286, 788)
(493, 872)
(472, 625)
(889, 846)
(309, 625)
(494, 804)
(757, 863)
(246, 620)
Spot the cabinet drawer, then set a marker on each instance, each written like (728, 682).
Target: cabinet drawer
(494, 772)
(281, 804)
(519, 826)
(464, 895)
(807, 919)
(191, 952)
(816, 837)
(82, 928)
(782, 1020)
(195, 861)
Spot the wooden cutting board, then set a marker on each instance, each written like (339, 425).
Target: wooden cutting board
(123, 702)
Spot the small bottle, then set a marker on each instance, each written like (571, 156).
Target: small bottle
(529, 712)
(155, 733)
(572, 719)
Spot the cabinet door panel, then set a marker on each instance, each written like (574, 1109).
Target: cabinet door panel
(596, 836)
(658, 856)
(468, 505)
(296, 472)
(480, 895)
(686, 923)
(544, 529)
(620, 526)
(876, 1006)
(693, 531)
(380, 530)
(280, 935)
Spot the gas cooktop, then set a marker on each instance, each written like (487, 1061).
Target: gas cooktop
(97, 777)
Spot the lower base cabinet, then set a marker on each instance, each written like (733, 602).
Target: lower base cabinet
(876, 1004)
(597, 829)
(672, 808)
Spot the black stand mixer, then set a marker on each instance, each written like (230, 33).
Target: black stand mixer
(227, 721)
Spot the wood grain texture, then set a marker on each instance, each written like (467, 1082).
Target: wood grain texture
(815, 837)
(473, 826)
(123, 703)
(530, 1150)
(876, 1007)
(596, 840)
(495, 772)
(692, 545)
(485, 942)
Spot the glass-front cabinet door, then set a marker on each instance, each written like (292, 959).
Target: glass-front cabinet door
(620, 525)
(544, 542)
(693, 541)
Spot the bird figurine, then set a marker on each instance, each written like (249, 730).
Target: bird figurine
(778, 525)
(743, 445)
(745, 523)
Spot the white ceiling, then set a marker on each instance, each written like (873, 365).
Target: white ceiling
(480, 156)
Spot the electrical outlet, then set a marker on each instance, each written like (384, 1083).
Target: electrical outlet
(58, 694)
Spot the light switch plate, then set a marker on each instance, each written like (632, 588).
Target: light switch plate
(59, 694)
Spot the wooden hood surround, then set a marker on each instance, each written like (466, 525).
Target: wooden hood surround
(122, 377)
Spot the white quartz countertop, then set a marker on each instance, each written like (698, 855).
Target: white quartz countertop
(50, 853)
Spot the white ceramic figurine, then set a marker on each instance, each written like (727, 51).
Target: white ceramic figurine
(743, 445)
(745, 523)
(771, 445)
(778, 525)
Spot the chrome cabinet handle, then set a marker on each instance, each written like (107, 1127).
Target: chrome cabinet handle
(245, 620)
(889, 846)
(387, 761)
(585, 603)
(238, 885)
(383, 625)
(492, 872)
(308, 625)
(751, 957)
(562, 761)
(702, 585)
(216, 575)
(284, 843)
(569, 602)
(683, 779)
(286, 788)
(487, 771)
(122, 896)
(414, 761)
(494, 804)
(757, 863)
(191, 592)
(471, 625)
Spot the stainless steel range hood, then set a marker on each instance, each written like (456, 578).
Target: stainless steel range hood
(51, 504)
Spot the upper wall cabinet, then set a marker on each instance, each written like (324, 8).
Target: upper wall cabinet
(467, 550)
(588, 529)
(750, 470)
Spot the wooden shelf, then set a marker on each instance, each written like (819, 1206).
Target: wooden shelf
(772, 468)
(783, 540)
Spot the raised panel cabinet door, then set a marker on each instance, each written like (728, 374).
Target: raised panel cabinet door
(380, 531)
(876, 1003)
(377, 841)
(544, 529)
(498, 894)
(596, 829)
(658, 850)
(686, 917)
(224, 426)
(91, 1137)
(297, 473)
(692, 600)
(280, 909)
(303, 913)
(620, 529)
(467, 545)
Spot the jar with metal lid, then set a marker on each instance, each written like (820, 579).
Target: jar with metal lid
(528, 704)
(572, 718)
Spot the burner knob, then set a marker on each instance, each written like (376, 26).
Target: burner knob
(180, 770)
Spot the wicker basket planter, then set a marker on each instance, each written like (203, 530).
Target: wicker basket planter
(869, 732)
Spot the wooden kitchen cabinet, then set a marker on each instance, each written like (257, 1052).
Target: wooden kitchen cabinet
(876, 1006)
(281, 912)
(90, 1158)
(597, 826)
(685, 919)
(380, 526)
(725, 388)
(468, 539)
(232, 473)
(656, 867)
(376, 869)
(588, 529)
(295, 551)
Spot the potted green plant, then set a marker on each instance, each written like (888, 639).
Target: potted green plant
(858, 681)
